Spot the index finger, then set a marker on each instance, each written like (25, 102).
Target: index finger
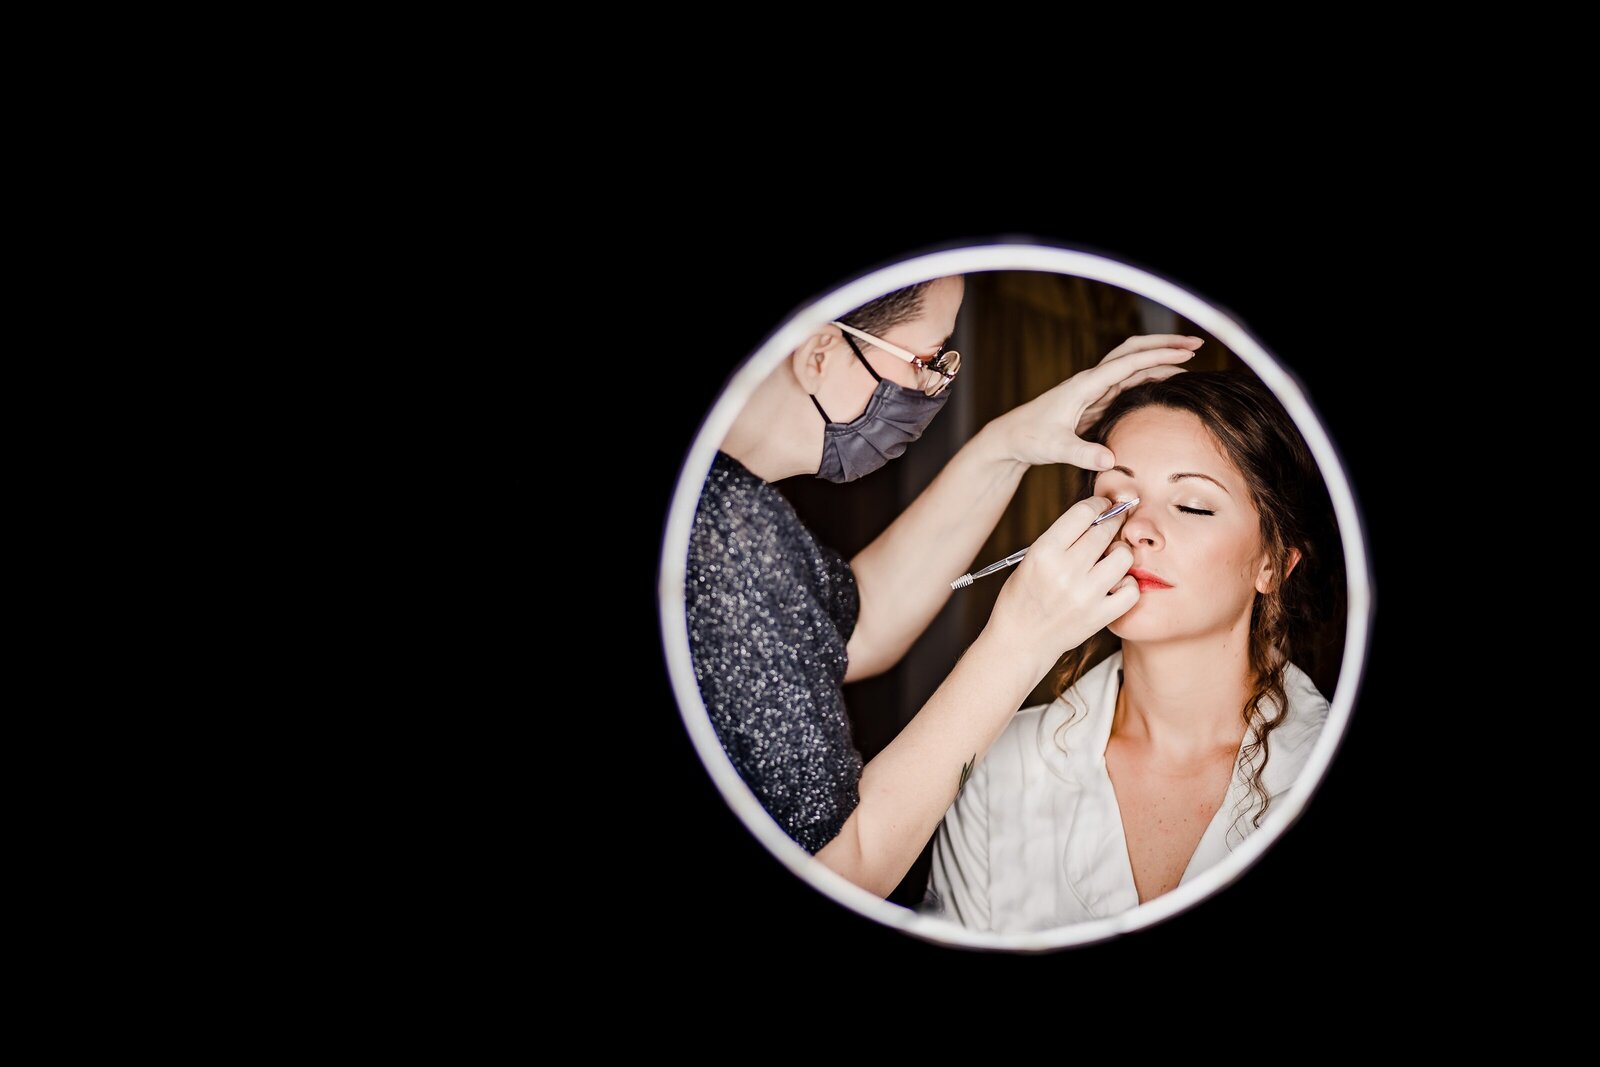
(1071, 524)
(1146, 341)
(1109, 373)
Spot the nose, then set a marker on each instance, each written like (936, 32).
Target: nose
(1140, 528)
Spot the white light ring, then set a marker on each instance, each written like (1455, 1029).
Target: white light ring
(1008, 255)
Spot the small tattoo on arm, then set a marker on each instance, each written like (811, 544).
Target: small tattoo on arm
(966, 772)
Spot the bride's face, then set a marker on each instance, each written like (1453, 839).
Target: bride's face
(1195, 535)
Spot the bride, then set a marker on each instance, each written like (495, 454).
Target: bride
(1150, 767)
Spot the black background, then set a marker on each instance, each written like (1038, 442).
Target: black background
(681, 875)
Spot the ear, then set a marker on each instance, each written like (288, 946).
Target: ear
(816, 354)
(1265, 582)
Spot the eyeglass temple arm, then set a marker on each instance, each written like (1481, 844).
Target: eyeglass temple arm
(893, 350)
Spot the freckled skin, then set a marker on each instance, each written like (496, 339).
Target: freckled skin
(1166, 807)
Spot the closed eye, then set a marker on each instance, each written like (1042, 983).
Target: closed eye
(1195, 511)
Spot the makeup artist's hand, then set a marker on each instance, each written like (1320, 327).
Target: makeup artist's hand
(1046, 428)
(1073, 582)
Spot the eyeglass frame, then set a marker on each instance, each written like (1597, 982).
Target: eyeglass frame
(936, 364)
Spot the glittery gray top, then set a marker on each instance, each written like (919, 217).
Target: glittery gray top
(770, 612)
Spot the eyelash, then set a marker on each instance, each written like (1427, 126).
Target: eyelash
(1180, 507)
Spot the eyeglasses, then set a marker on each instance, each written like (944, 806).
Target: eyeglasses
(934, 374)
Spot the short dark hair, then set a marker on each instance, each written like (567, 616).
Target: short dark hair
(879, 316)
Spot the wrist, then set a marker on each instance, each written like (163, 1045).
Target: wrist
(1009, 659)
(996, 442)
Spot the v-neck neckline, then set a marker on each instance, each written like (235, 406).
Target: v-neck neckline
(1116, 803)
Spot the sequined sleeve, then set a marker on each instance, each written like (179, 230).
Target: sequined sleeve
(770, 614)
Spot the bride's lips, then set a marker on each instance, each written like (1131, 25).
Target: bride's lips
(1148, 581)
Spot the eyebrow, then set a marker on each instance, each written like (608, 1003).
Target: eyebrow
(1179, 477)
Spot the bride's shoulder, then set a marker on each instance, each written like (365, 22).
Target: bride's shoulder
(1293, 739)
(1308, 708)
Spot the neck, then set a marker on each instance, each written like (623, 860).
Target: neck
(1185, 697)
(778, 434)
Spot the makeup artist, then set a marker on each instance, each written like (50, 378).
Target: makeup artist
(778, 622)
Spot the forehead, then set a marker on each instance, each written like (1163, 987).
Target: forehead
(1155, 442)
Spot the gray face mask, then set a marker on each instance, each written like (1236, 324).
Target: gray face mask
(895, 417)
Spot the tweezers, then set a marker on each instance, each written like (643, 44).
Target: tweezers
(1016, 557)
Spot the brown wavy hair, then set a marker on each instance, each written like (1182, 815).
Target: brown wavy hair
(1256, 434)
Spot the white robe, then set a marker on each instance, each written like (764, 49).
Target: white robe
(1035, 840)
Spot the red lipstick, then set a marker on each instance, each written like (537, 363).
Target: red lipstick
(1148, 581)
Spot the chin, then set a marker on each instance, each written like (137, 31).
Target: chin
(1143, 622)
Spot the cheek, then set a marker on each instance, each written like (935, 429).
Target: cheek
(846, 394)
(1226, 560)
